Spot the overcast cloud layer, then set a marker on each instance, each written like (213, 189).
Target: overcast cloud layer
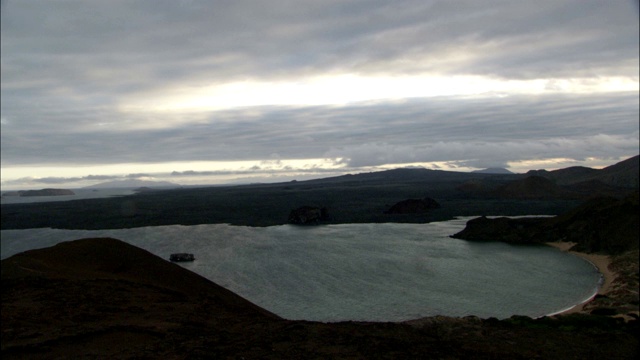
(310, 88)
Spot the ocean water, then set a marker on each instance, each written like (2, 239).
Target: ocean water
(368, 272)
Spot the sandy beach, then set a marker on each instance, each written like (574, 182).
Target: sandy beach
(602, 262)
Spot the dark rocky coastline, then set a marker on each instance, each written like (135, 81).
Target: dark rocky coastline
(601, 225)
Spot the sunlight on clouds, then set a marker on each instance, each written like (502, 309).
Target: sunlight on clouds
(560, 163)
(432, 165)
(224, 171)
(130, 168)
(348, 88)
(36, 172)
(522, 166)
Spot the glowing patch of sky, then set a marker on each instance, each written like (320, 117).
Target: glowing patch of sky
(558, 163)
(349, 88)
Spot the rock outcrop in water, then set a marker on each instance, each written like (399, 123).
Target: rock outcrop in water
(413, 206)
(520, 231)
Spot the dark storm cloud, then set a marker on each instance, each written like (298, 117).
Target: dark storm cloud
(122, 47)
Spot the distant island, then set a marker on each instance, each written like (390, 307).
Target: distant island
(42, 192)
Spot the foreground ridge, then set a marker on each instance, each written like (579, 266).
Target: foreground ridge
(105, 298)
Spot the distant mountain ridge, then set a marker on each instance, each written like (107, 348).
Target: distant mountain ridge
(576, 182)
(623, 174)
(360, 198)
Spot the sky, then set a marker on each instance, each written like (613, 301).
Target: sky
(217, 92)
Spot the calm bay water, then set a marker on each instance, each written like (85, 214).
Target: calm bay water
(373, 272)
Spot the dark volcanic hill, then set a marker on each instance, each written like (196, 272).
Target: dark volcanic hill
(604, 224)
(570, 183)
(103, 298)
(623, 174)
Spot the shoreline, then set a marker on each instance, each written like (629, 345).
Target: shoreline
(601, 262)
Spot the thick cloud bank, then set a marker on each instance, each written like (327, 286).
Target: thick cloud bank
(359, 83)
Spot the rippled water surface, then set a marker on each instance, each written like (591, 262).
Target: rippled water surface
(376, 272)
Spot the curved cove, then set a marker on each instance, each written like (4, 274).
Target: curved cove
(367, 272)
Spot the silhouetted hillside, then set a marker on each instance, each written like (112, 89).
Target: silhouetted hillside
(608, 225)
(623, 174)
(569, 183)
